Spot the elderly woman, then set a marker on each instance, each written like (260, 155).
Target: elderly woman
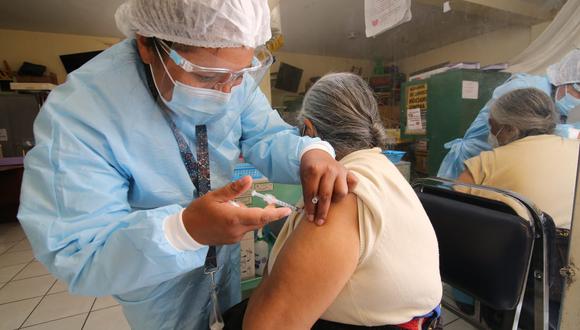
(528, 159)
(376, 263)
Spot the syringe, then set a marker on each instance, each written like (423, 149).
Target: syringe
(271, 199)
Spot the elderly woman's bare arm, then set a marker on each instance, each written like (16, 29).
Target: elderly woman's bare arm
(310, 271)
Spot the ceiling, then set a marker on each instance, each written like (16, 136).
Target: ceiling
(323, 27)
(84, 17)
(319, 27)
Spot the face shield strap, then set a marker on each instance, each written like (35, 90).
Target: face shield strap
(163, 63)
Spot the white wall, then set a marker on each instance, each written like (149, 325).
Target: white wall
(313, 66)
(499, 46)
(490, 48)
(45, 48)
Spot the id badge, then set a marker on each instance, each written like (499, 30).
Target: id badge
(215, 317)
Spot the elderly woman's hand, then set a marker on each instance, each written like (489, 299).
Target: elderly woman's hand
(323, 180)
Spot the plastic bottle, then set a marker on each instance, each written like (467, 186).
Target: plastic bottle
(261, 253)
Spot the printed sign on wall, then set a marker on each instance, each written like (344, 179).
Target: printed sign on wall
(416, 109)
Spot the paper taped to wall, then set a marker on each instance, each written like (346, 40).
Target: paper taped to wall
(414, 119)
(470, 90)
(446, 6)
(381, 15)
(3, 134)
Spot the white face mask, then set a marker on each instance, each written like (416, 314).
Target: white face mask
(492, 139)
(200, 104)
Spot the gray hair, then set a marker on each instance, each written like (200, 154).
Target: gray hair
(344, 111)
(528, 111)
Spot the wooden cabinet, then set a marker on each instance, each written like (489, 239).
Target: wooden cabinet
(11, 171)
(17, 114)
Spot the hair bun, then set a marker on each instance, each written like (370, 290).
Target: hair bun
(379, 134)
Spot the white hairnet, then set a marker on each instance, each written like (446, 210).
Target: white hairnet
(567, 71)
(209, 23)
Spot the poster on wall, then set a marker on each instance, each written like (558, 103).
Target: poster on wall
(416, 110)
(382, 15)
(414, 122)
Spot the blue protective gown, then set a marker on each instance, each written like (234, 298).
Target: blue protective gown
(475, 139)
(106, 171)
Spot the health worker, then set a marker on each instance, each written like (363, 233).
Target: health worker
(127, 191)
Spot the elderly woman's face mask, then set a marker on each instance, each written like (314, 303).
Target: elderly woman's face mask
(495, 131)
(492, 139)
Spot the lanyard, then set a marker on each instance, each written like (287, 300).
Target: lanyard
(199, 174)
(198, 171)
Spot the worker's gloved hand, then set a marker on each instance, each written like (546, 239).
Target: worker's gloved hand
(326, 179)
(212, 220)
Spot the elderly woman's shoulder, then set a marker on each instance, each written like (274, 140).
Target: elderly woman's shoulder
(372, 165)
(368, 157)
(545, 139)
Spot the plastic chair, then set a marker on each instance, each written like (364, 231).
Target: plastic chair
(490, 243)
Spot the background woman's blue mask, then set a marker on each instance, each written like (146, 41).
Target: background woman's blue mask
(566, 103)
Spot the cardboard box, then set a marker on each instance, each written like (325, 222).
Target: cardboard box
(393, 135)
(421, 161)
(390, 115)
(405, 169)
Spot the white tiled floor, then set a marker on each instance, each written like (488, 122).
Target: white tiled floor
(32, 299)
(459, 325)
(453, 322)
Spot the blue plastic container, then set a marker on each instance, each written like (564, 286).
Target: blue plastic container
(394, 156)
(243, 169)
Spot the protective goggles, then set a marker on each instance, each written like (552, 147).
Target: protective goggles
(217, 78)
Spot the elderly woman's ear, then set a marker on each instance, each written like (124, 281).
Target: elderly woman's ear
(308, 129)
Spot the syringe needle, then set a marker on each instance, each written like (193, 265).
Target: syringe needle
(271, 199)
(257, 194)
